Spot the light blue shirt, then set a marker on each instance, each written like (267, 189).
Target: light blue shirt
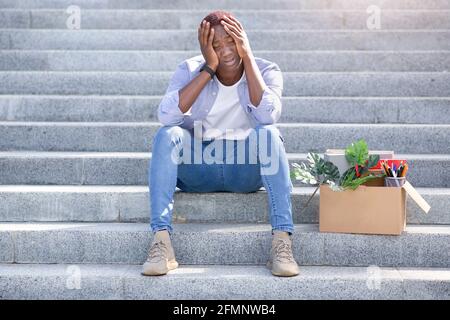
(267, 112)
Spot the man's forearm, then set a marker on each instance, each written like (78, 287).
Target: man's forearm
(255, 81)
(191, 91)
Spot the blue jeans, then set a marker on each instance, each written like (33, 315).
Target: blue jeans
(270, 169)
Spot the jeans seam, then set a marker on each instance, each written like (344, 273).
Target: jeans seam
(272, 201)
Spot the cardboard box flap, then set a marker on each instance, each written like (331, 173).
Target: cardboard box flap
(416, 197)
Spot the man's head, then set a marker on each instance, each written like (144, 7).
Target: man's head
(223, 43)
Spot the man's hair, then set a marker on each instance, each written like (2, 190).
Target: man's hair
(215, 17)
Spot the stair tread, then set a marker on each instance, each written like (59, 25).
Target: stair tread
(224, 271)
(138, 188)
(95, 154)
(190, 227)
(206, 282)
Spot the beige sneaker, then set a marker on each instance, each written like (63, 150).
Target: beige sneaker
(161, 257)
(282, 262)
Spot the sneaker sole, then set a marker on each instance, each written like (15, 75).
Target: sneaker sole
(171, 265)
(278, 274)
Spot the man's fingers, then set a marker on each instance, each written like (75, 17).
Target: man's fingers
(203, 33)
(237, 22)
(211, 37)
(232, 22)
(232, 30)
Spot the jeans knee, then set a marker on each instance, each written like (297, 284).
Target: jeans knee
(169, 134)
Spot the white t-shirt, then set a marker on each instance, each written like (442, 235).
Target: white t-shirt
(227, 119)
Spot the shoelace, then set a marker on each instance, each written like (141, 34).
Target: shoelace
(283, 251)
(157, 252)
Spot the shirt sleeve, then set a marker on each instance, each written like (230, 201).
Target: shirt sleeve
(169, 112)
(269, 109)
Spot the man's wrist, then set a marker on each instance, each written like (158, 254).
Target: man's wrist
(213, 67)
(209, 69)
(247, 58)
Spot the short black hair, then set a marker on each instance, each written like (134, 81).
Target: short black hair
(215, 17)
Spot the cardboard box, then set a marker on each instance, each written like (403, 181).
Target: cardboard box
(366, 210)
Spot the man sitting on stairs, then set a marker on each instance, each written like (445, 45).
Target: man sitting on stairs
(224, 100)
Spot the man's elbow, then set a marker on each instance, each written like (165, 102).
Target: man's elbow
(272, 113)
(168, 119)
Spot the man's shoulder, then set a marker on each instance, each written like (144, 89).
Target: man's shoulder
(264, 64)
(194, 64)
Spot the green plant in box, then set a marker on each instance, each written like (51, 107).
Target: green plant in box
(317, 171)
(357, 155)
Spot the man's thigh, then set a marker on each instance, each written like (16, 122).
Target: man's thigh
(242, 173)
(242, 177)
(200, 177)
(194, 175)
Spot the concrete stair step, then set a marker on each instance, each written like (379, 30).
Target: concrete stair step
(306, 61)
(229, 4)
(53, 108)
(206, 282)
(124, 168)
(229, 244)
(186, 39)
(22, 203)
(190, 19)
(298, 137)
(385, 84)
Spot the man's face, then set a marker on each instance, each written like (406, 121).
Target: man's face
(225, 48)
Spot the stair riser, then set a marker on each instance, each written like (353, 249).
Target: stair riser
(295, 84)
(295, 109)
(300, 138)
(184, 19)
(133, 171)
(187, 40)
(167, 61)
(225, 4)
(125, 282)
(236, 246)
(133, 206)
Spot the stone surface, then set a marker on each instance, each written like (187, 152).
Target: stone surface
(186, 39)
(298, 137)
(189, 19)
(379, 84)
(224, 244)
(227, 4)
(167, 60)
(97, 90)
(131, 168)
(52, 108)
(23, 203)
(220, 282)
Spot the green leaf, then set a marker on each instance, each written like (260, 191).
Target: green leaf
(315, 170)
(353, 184)
(357, 153)
(373, 160)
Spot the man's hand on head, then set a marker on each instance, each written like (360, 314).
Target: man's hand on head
(205, 38)
(234, 28)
